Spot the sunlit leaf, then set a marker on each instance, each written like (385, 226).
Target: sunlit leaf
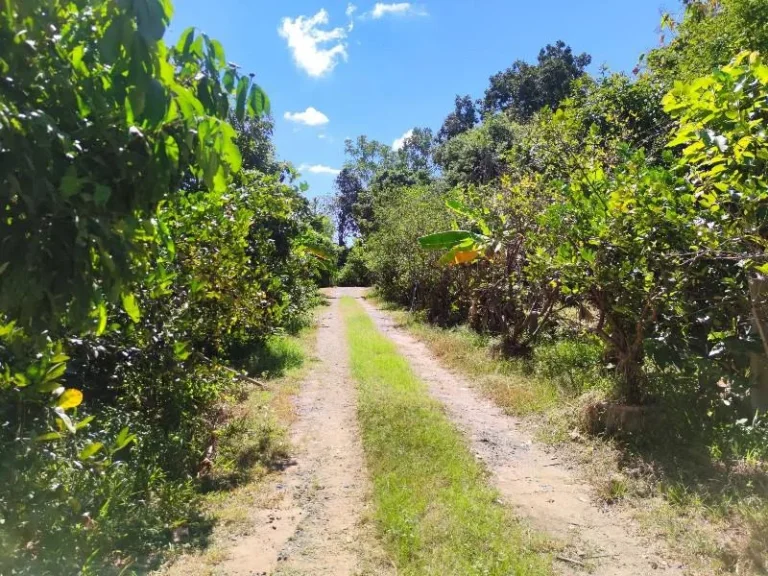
(90, 450)
(131, 307)
(444, 240)
(71, 398)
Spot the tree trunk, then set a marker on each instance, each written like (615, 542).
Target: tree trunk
(758, 362)
(630, 368)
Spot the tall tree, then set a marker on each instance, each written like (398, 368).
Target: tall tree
(524, 89)
(348, 188)
(464, 117)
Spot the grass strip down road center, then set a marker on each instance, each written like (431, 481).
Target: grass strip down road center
(433, 505)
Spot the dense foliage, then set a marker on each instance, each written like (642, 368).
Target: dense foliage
(626, 213)
(148, 239)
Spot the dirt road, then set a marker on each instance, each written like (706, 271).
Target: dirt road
(316, 522)
(317, 525)
(543, 491)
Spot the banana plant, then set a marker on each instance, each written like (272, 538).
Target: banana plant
(462, 246)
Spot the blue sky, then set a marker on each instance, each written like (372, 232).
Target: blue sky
(387, 67)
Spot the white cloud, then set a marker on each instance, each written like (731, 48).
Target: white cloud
(351, 9)
(400, 142)
(318, 169)
(315, 51)
(310, 117)
(397, 9)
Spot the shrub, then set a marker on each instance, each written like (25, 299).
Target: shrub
(575, 364)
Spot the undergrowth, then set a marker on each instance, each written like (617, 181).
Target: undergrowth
(252, 446)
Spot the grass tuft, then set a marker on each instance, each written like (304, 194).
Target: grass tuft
(433, 504)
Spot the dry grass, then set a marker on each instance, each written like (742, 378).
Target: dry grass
(502, 380)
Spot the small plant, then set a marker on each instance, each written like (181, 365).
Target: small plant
(575, 364)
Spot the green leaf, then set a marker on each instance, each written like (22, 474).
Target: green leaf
(151, 19)
(55, 372)
(101, 194)
(258, 102)
(228, 80)
(444, 240)
(156, 103)
(230, 151)
(111, 41)
(123, 439)
(91, 450)
(131, 307)
(49, 437)
(242, 95)
(172, 151)
(185, 41)
(70, 183)
(180, 350)
(101, 310)
(84, 422)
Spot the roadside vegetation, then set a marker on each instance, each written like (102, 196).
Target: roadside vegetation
(153, 255)
(432, 503)
(596, 247)
(253, 449)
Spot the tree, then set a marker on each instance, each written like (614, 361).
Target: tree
(99, 122)
(477, 156)
(348, 189)
(416, 153)
(709, 35)
(524, 89)
(464, 117)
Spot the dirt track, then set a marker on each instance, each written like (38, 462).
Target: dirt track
(316, 523)
(542, 490)
(317, 526)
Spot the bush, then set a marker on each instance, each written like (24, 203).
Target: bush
(355, 271)
(150, 235)
(575, 364)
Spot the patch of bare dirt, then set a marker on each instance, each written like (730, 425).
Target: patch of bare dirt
(314, 522)
(544, 491)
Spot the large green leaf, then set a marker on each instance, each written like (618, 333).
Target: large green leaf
(241, 98)
(185, 40)
(445, 240)
(151, 18)
(258, 102)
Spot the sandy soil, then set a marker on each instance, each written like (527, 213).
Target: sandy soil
(544, 491)
(316, 523)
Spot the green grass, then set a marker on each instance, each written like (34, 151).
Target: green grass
(433, 505)
(713, 514)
